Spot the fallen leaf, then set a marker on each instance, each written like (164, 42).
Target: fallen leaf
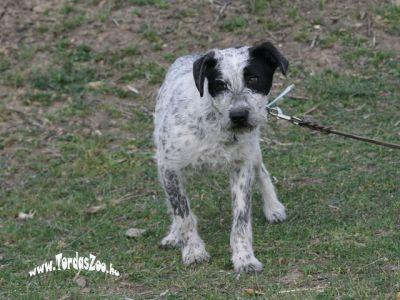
(24, 216)
(97, 133)
(292, 276)
(95, 209)
(164, 294)
(81, 282)
(253, 292)
(398, 296)
(61, 244)
(391, 268)
(250, 292)
(134, 232)
(95, 84)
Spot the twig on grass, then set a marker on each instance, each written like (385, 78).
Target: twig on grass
(123, 198)
(297, 97)
(25, 118)
(370, 32)
(77, 275)
(311, 110)
(221, 11)
(314, 41)
(115, 22)
(371, 263)
(317, 288)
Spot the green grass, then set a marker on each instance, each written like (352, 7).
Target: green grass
(81, 139)
(391, 15)
(152, 36)
(4, 63)
(234, 24)
(152, 72)
(162, 4)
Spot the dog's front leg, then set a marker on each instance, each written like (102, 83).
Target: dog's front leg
(184, 227)
(241, 235)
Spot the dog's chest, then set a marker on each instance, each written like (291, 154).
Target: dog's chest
(218, 153)
(217, 149)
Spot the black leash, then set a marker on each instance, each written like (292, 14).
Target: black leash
(277, 112)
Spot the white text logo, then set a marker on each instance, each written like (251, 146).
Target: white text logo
(78, 263)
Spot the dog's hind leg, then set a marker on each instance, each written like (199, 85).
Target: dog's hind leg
(274, 210)
(183, 231)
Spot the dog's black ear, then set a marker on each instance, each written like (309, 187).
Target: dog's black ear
(267, 52)
(201, 68)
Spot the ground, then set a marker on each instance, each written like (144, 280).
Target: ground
(77, 87)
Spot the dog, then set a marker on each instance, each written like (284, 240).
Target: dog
(208, 113)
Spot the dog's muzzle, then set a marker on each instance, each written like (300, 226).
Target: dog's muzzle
(240, 119)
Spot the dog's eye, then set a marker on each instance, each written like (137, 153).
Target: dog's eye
(220, 85)
(252, 80)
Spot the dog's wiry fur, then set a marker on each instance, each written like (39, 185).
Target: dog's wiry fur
(195, 126)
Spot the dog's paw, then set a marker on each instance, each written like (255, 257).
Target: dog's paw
(247, 263)
(194, 253)
(275, 213)
(171, 240)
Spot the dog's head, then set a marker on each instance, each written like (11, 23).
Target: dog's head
(239, 79)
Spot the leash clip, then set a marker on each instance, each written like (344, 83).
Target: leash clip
(278, 113)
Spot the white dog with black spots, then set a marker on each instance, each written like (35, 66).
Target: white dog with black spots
(209, 111)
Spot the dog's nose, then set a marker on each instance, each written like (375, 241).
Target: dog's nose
(239, 117)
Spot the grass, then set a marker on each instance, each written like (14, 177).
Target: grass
(150, 34)
(4, 63)
(158, 3)
(235, 23)
(391, 15)
(81, 139)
